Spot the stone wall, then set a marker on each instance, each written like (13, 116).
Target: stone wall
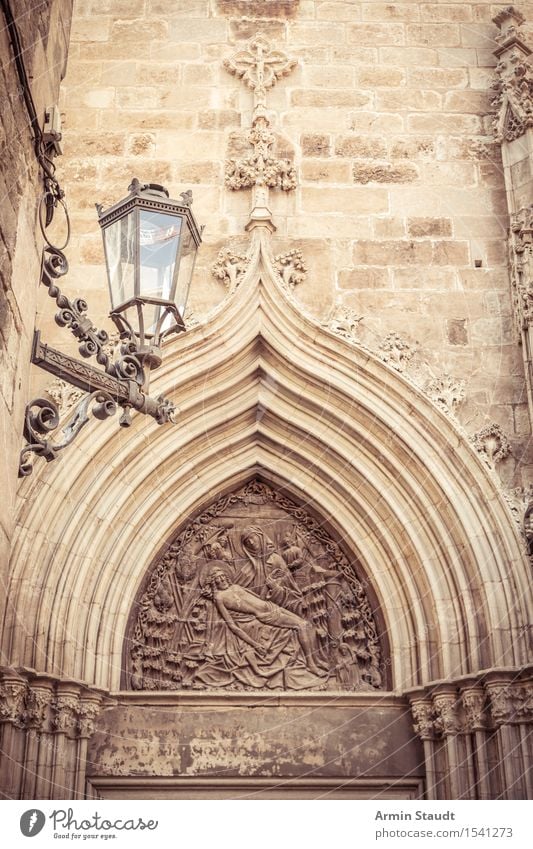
(400, 208)
(44, 31)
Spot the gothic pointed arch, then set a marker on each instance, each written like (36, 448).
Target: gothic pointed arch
(264, 390)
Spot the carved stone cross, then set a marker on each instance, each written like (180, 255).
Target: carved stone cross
(259, 65)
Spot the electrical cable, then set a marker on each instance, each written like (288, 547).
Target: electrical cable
(53, 193)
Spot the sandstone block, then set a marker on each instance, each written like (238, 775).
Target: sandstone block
(444, 12)
(363, 278)
(408, 99)
(200, 30)
(99, 98)
(451, 253)
(218, 119)
(141, 144)
(199, 172)
(334, 76)
(114, 8)
(444, 123)
(325, 171)
(328, 98)
(389, 228)
(380, 77)
(457, 331)
(478, 35)
(158, 73)
(138, 30)
(423, 227)
(113, 73)
(376, 34)
(434, 35)
(400, 252)
(355, 55)
(443, 279)
(315, 144)
(90, 29)
(315, 33)
(383, 173)
(138, 120)
(445, 78)
(467, 101)
(261, 8)
(408, 56)
(178, 8)
(360, 146)
(329, 227)
(354, 201)
(314, 119)
(245, 29)
(390, 11)
(376, 122)
(338, 12)
(413, 148)
(458, 57)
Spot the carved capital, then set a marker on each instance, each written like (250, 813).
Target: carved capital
(65, 712)
(12, 693)
(87, 714)
(37, 702)
(446, 719)
(500, 703)
(423, 723)
(473, 701)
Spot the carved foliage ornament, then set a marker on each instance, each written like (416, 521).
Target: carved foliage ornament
(492, 443)
(262, 167)
(253, 594)
(512, 91)
(521, 267)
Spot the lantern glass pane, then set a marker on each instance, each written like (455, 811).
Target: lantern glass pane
(119, 243)
(187, 258)
(159, 236)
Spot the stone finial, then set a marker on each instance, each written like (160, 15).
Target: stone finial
(508, 17)
(259, 65)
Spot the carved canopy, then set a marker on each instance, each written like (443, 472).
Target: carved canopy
(253, 594)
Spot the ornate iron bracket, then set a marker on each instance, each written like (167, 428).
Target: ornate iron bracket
(121, 384)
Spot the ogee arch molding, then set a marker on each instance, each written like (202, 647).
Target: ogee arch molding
(263, 390)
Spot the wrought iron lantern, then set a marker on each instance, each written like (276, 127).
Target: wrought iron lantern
(150, 245)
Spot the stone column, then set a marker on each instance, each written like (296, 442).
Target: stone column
(422, 711)
(474, 723)
(38, 739)
(12, 693)
(66, 706)
(500, 690)
(88, 711)
(446, 724)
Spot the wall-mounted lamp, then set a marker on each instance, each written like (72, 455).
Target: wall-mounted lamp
(150, 245)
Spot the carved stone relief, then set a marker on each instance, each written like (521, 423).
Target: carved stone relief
(492, 443)
(253, 594)
(512, 91)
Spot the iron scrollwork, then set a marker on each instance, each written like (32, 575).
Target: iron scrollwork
(121, 383)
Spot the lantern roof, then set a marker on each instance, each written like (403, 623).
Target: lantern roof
(154, 197)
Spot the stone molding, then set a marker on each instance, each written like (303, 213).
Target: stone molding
(521, 268)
